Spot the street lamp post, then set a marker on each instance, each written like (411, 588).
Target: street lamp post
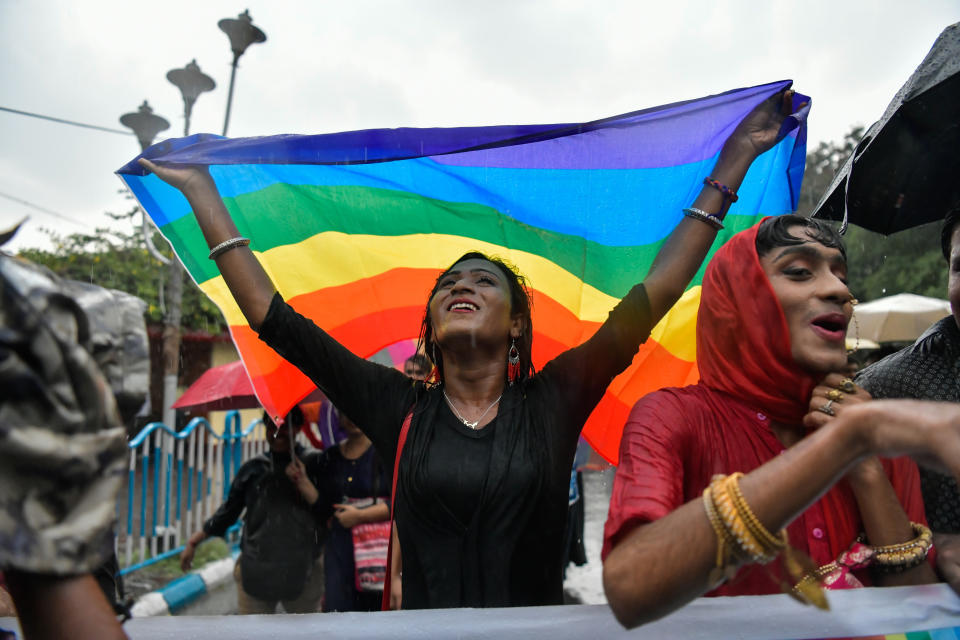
(191, 82)
(146, 125)
(242, 34)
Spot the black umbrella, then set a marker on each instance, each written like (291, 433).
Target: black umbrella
(906, 170)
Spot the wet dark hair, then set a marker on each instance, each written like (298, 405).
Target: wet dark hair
(775, 232)
(520, 303)
(949, 224)
(295, 417)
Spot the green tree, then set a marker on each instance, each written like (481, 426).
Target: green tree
(905, 262)
(118, 259)
(821, 165)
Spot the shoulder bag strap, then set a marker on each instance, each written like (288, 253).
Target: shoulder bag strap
(385, 604)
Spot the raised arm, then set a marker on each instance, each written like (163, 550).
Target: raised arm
(658, 567)
(345, 378)
(248, 282)
(684, 250)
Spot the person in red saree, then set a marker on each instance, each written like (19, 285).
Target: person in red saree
(770, 348)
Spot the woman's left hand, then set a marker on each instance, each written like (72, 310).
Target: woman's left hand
(829, 398)
(832, 396)
(348, 515)
(758, 131)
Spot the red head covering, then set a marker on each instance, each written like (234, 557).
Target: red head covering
(743, 343)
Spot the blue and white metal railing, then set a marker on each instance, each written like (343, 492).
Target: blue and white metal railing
(187, 466)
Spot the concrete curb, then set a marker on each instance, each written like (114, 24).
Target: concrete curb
(182, 591)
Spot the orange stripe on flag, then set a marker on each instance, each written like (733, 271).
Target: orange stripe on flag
(653, 368)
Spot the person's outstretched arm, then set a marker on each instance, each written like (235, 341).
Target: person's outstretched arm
(345, 378)
(685, 248)
(222, 519)
(658, 567)
(248, 282)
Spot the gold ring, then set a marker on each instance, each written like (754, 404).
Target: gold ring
(846, 385)
(827, 408)
(835, 395)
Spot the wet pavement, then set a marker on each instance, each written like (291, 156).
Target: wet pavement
(584, 585)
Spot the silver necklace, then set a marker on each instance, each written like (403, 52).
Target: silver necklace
(473, 425)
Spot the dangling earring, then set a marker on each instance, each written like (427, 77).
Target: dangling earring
(856, 329)
(434, 376)
(513, 362)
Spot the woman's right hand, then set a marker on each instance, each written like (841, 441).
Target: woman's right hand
(758, 131)
(829, 399)
(248, 282)
(184, 177)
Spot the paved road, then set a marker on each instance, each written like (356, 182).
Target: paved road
(585, 584)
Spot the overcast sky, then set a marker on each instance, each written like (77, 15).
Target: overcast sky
(355, 64)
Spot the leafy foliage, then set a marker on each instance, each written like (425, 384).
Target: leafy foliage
(905, 262)
(822, 164)
(119, 260)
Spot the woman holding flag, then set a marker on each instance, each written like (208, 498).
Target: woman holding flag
(484, 472)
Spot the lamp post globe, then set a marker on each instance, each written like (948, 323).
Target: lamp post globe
(145, 124)
(191, 82)
(242, 34)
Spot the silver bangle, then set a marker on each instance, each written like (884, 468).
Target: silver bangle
(712, 219)
(226, 245)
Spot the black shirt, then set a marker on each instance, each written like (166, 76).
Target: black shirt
(279, 526)
(510, 551)
(457, 464)
(929, 369)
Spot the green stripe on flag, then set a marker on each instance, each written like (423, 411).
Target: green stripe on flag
(287, 214)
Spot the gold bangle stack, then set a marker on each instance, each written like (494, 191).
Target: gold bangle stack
(723, 569)
(888, 558)
(741, 537)
(905, 555)
(771, 544)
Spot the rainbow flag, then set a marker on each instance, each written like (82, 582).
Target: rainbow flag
(355, 227)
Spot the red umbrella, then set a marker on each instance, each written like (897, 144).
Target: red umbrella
(220, 389)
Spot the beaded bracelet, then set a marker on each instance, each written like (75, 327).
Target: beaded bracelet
(726, 191)
(905, 555)
(710, 218)
(226, 245)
